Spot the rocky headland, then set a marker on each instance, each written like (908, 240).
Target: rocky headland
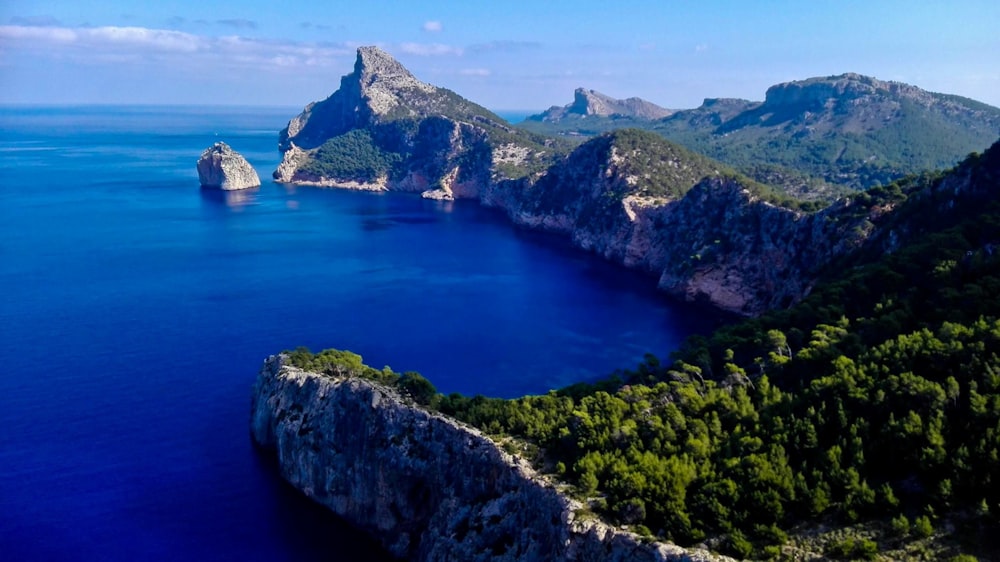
(427, 487)
(706, 233)
(221, 167)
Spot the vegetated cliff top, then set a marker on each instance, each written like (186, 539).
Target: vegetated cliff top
(850, 130)
(857, 423)
(593, 103)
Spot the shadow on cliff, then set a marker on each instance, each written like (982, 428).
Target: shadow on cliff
(316, 531)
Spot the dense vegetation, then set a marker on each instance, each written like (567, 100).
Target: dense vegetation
(876, 400)
(351, 156)
(809, 150)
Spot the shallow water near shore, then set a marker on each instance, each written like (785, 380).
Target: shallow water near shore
(137, 309)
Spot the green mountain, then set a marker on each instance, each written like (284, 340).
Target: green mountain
(848, 130)
(871, 408)
(855, 414)
(385, 130)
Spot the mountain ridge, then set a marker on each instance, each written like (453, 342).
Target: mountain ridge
(591, 102)
(845, 130)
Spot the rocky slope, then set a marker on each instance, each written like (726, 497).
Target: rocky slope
(593, 103)
(426, 486)
(385, 130)
(706, 233)
(221, 167)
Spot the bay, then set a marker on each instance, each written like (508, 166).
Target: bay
(137, 309)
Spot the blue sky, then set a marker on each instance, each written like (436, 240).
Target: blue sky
(504, 55)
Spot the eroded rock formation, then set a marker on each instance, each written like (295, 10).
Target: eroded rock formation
(221, 167)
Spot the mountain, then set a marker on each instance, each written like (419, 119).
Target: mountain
(587, 103)
(847, 130)
(384, 129)
(705, 232)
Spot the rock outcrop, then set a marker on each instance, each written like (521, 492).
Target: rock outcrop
(221, 167)
(427, 487)
(593, 103)
(384, 129)
(707, 235)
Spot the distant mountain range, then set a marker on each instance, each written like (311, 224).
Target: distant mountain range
(587, 103)
(847, 130)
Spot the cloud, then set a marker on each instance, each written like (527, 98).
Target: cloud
(34, 20)
(238, 23)
(429, 49)
(701, 47)
(504, 46)
(99, 45)
(475, 72)
(432, 26)
(311, 25)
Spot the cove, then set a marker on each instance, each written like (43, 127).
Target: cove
(137, 309)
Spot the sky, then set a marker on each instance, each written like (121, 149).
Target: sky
(505, 55)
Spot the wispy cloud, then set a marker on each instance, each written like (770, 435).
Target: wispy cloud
(701, 47)
(429, 49)
(475, 72)
(34, 20)
(238, 23)
(311, 25)
(432, 26)
(146, 45)
(504, 46)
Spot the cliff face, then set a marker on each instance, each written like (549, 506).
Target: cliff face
(383, 129)
(221, 167)
(427, 487)
(638, 200)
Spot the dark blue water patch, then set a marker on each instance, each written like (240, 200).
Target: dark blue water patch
(137, 308)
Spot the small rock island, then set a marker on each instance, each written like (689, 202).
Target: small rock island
(221, 167)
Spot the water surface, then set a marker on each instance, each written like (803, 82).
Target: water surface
(137, 309)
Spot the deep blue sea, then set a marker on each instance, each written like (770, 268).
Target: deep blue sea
(136, 309)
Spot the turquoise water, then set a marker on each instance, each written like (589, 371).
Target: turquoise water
(137, 309)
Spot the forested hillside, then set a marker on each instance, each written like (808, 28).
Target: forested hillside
(874, 404)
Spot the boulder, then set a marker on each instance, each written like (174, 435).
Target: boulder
(221, 167)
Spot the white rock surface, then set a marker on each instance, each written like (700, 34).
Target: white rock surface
(221, 167)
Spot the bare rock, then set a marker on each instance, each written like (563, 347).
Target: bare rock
(427, 487)
(221, 167)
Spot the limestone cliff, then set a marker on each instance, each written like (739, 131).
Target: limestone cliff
(705, 233)
(426, 486)
(221, 167)
(384, 129)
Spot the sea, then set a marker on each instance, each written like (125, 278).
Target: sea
(137, 309)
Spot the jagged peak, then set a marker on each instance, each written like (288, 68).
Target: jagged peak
(381, 79)
(375, 64)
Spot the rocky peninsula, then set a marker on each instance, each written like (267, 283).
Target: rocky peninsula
(426, 486)
(221, 167)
